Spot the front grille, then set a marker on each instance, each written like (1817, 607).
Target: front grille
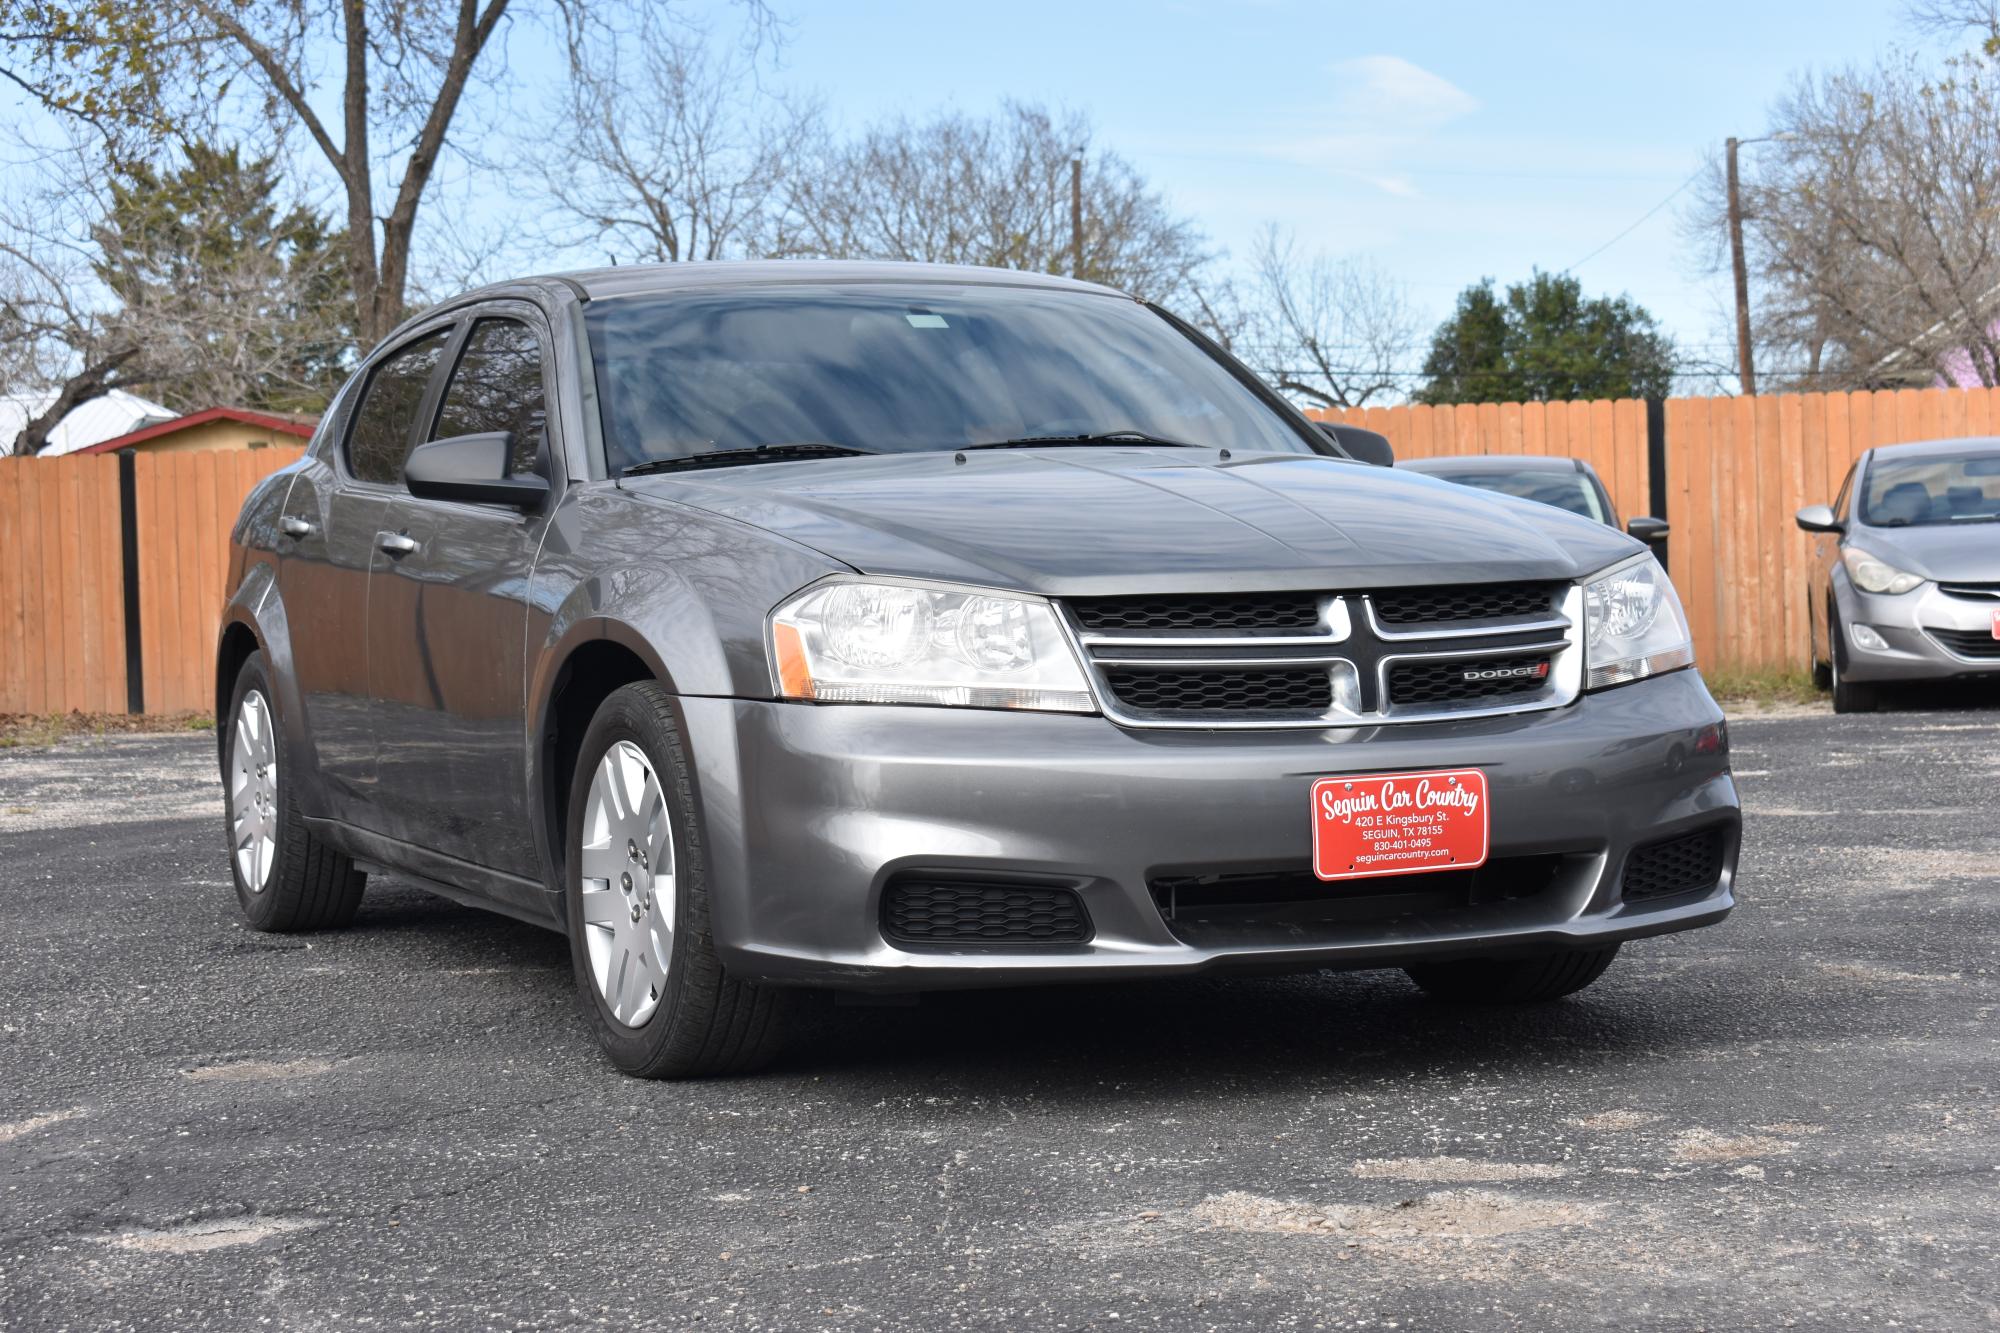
(1977, 591)
(1475, 601)
(1239, 613)
(1312, 658)
(1675, 865)
(1280, 689)
(1289, 904)
(1444, 682)
(939, 911)
(1969, 642)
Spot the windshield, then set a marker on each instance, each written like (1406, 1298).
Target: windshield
(905, 367)
(1564, 490)
(1932, 490)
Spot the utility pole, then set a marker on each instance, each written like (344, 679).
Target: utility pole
(1746, 369)
(1076, 216)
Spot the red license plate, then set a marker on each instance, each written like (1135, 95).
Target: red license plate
(1996, 624)
(1399, 823)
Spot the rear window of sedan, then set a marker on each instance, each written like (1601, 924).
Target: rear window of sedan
(904, 368)
(1565, 490)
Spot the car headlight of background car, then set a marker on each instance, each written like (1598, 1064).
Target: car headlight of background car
(855, 641)
(1871, 573)
(1633, 625)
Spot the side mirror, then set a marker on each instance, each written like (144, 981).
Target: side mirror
(1364, 446)
(473, 469)
(1818, 518)
(1647, 529)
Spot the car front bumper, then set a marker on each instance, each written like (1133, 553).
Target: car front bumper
(810, 811)
(1909, 624)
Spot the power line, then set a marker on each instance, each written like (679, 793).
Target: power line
(1643, 217)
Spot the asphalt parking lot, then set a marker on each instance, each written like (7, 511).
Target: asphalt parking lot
(1789, 1120)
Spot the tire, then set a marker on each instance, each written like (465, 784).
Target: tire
(1532, 980)
(300, 882)
(1821, 670)
(1848, 697)
(679, 1014)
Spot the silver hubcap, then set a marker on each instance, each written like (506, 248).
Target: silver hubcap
(253, 791)
(628, 884)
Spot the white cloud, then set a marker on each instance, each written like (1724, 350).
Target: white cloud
(1377, 115)
(1390, 91)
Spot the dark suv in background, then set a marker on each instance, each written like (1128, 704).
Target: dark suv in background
(896, 628)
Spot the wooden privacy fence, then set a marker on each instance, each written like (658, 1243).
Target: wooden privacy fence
(1727, 473)
(111, 568)
(100, 556)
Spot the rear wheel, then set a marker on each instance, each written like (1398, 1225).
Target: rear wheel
(1529, 980)
(637, 903)
(286, 879)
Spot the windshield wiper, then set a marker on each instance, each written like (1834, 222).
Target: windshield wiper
(761, 453)
(1083, 441)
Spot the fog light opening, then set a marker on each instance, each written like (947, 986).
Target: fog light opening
(1867, 639)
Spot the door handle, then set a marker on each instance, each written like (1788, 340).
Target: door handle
(395, 543)
(295, 526)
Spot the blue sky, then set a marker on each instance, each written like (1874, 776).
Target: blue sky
(1447, 141)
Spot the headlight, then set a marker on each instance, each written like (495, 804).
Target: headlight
(1873, 574)
(1633, 625)
(897, 643)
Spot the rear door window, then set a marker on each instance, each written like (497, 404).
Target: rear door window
(497, 386)
(381, 436)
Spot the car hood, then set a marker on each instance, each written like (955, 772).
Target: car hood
(1956, 553)
(1068, 522)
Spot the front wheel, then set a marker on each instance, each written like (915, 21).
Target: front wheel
(1531, 980)
(1848, 697)
(638, 908)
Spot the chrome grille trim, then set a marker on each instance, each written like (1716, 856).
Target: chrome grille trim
(1337, 649)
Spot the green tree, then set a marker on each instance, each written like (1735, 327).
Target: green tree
(1544, 342)
(232, 299)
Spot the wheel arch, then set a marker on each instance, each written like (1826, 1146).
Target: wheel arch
(600, 656)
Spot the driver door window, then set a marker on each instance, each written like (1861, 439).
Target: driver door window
(497, 386)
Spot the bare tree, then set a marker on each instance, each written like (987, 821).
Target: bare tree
(1337, 332)
(1873, 226)
(190, 284)
(133, 69)
(995, 190)
(664, 148)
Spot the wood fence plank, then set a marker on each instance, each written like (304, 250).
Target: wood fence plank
(1485, 427)
(1952, 414)
(13, 625)
(1535, 429)
(69, 583)
(1793, 548)
(1512, 439)
(1688, 461)
(55, 635)
(89, 556)
(37, 508)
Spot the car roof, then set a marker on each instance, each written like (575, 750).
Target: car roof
(1494, 463)
(634, 279)
(1930, 448)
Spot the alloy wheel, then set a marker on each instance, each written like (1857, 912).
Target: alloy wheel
(253, 791)
(627, 899)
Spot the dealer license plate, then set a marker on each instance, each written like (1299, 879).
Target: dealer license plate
(1399, 823)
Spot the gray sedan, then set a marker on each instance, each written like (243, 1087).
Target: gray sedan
(896, 628)
(1906, 570)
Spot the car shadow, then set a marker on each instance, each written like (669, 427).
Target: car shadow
(1108, 1041)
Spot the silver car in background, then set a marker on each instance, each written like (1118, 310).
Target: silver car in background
(1905, 581)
